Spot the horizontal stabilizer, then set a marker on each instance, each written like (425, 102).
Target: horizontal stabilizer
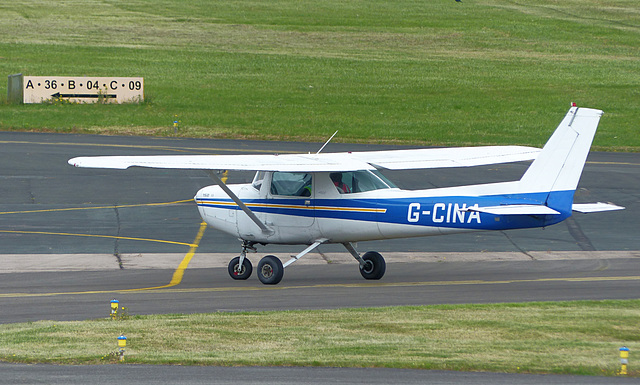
(595, 207)
(515, 210)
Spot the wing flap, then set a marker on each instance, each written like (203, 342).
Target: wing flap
(447, 157)
(595, 207)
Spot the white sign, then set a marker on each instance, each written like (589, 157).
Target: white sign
(39, 89)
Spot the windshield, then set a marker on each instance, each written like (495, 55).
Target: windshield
(258, 179)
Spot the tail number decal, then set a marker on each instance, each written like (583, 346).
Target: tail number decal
(443, 213)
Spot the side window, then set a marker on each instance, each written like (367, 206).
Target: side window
(342, 181)
(359, 181)
(291, 184)
(365, 181)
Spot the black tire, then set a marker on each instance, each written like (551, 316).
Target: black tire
(374, 267)
(270, 270)
(245, 271)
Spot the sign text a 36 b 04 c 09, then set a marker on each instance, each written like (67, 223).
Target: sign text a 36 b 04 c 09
(39, 89)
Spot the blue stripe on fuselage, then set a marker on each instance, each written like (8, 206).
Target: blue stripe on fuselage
(421, 211)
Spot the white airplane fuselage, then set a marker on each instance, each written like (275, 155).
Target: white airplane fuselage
(384, 213)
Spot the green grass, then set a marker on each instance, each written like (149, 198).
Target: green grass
(432, 72)
(560, 337)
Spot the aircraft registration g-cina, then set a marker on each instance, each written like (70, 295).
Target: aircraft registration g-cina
(313, 199)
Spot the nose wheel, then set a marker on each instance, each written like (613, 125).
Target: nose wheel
(240, 267)
(240, 270)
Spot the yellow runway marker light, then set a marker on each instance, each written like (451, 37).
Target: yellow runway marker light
(122, 343)
(114, 308)
(624, 360)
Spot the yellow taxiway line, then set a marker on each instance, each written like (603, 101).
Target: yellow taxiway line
(177, 277)
(96, 236)
(97, 207)
(179, 273)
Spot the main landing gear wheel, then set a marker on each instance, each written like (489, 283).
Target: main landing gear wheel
(240, 272)
(270, 270)
(374, 265)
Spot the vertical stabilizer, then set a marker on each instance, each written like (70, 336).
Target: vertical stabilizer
(559, 166)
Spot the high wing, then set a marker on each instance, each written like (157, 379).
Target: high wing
(285, 163)
(325, 162)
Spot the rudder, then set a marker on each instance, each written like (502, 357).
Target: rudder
(559, 166)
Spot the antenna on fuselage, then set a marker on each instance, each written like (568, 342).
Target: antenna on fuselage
(327, 142)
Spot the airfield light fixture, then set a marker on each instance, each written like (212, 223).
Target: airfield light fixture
(624, 360)
(122, 343)
(114, 308)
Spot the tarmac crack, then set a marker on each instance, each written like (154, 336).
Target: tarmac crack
(116, 243)
(119, 259)
(523, 251)
(580, 237)
(32, 197)
(324, 257)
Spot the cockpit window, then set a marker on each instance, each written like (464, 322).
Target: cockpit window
(291, 184)
(360, 181)
(258, 179)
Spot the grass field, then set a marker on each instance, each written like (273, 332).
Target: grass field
(422, 72)
(563, 337)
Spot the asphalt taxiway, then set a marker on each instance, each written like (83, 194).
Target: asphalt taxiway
(84, 236)
(193, 375)
(73, 239)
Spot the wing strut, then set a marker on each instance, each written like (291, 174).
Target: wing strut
(240, 203)
(305, 251)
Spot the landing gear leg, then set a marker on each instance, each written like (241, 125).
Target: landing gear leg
(372, 264)
(271, 269)
(240, 267)
(240, 270)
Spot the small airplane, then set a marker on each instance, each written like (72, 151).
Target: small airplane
(315, 199)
